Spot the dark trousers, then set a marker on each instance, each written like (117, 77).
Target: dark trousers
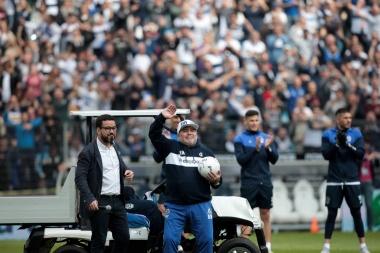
(115, 220)
(27, 170)
(367, 191)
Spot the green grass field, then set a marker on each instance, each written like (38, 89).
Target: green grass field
(283, 242)
(305, 242)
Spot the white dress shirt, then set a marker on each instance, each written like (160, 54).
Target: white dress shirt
(111, 170)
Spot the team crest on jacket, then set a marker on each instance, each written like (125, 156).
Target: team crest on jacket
(181, 152)
(348, 138)
(129, 206)
(201, 154)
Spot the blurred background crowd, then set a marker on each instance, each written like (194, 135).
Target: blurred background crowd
(295, 61)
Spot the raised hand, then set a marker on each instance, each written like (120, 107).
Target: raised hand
(169, 111)
(268, 141)
(258, 143)
(342, 138)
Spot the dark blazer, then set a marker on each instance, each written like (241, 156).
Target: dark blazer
(89, 174)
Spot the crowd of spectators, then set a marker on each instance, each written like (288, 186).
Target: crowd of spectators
(294, 61)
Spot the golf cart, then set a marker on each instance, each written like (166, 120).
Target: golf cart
(55, 219)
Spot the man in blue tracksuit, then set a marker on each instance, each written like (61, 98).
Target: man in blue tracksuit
(188, 194)
(343, 147)
(254, 150)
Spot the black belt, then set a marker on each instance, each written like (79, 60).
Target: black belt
(110, 196)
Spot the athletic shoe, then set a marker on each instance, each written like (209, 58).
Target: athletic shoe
(364, 250)
(180, 249)
(325, 250)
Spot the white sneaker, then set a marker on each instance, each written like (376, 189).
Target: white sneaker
(325, 250)
(364, 250)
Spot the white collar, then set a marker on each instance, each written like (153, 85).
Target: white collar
(101, 145)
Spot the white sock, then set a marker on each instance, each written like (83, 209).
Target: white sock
(326, 245)
(363, 245)
(269, 245)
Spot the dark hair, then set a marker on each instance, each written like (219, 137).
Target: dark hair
(251, 113)
(341, 111)
(181, 117)
(101, 118)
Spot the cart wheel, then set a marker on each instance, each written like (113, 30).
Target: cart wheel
(238, 245)
(70, 249)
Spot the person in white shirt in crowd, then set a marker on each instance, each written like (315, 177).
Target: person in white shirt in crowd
(251, 51)
(300, 116)
(99, 28)
(186, 46)
(310, 13)
(230, 46)
(183, 20)
(283, 141)
(141, 62)
(68, 27)
(202, 25)
(314, 130)
(338, 101)
(50, 31)
(275, 15)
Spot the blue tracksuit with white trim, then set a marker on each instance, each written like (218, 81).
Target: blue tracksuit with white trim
(188, 194)
(344, 161)
(254, 164)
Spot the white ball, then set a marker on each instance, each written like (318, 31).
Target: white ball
(208, 164)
